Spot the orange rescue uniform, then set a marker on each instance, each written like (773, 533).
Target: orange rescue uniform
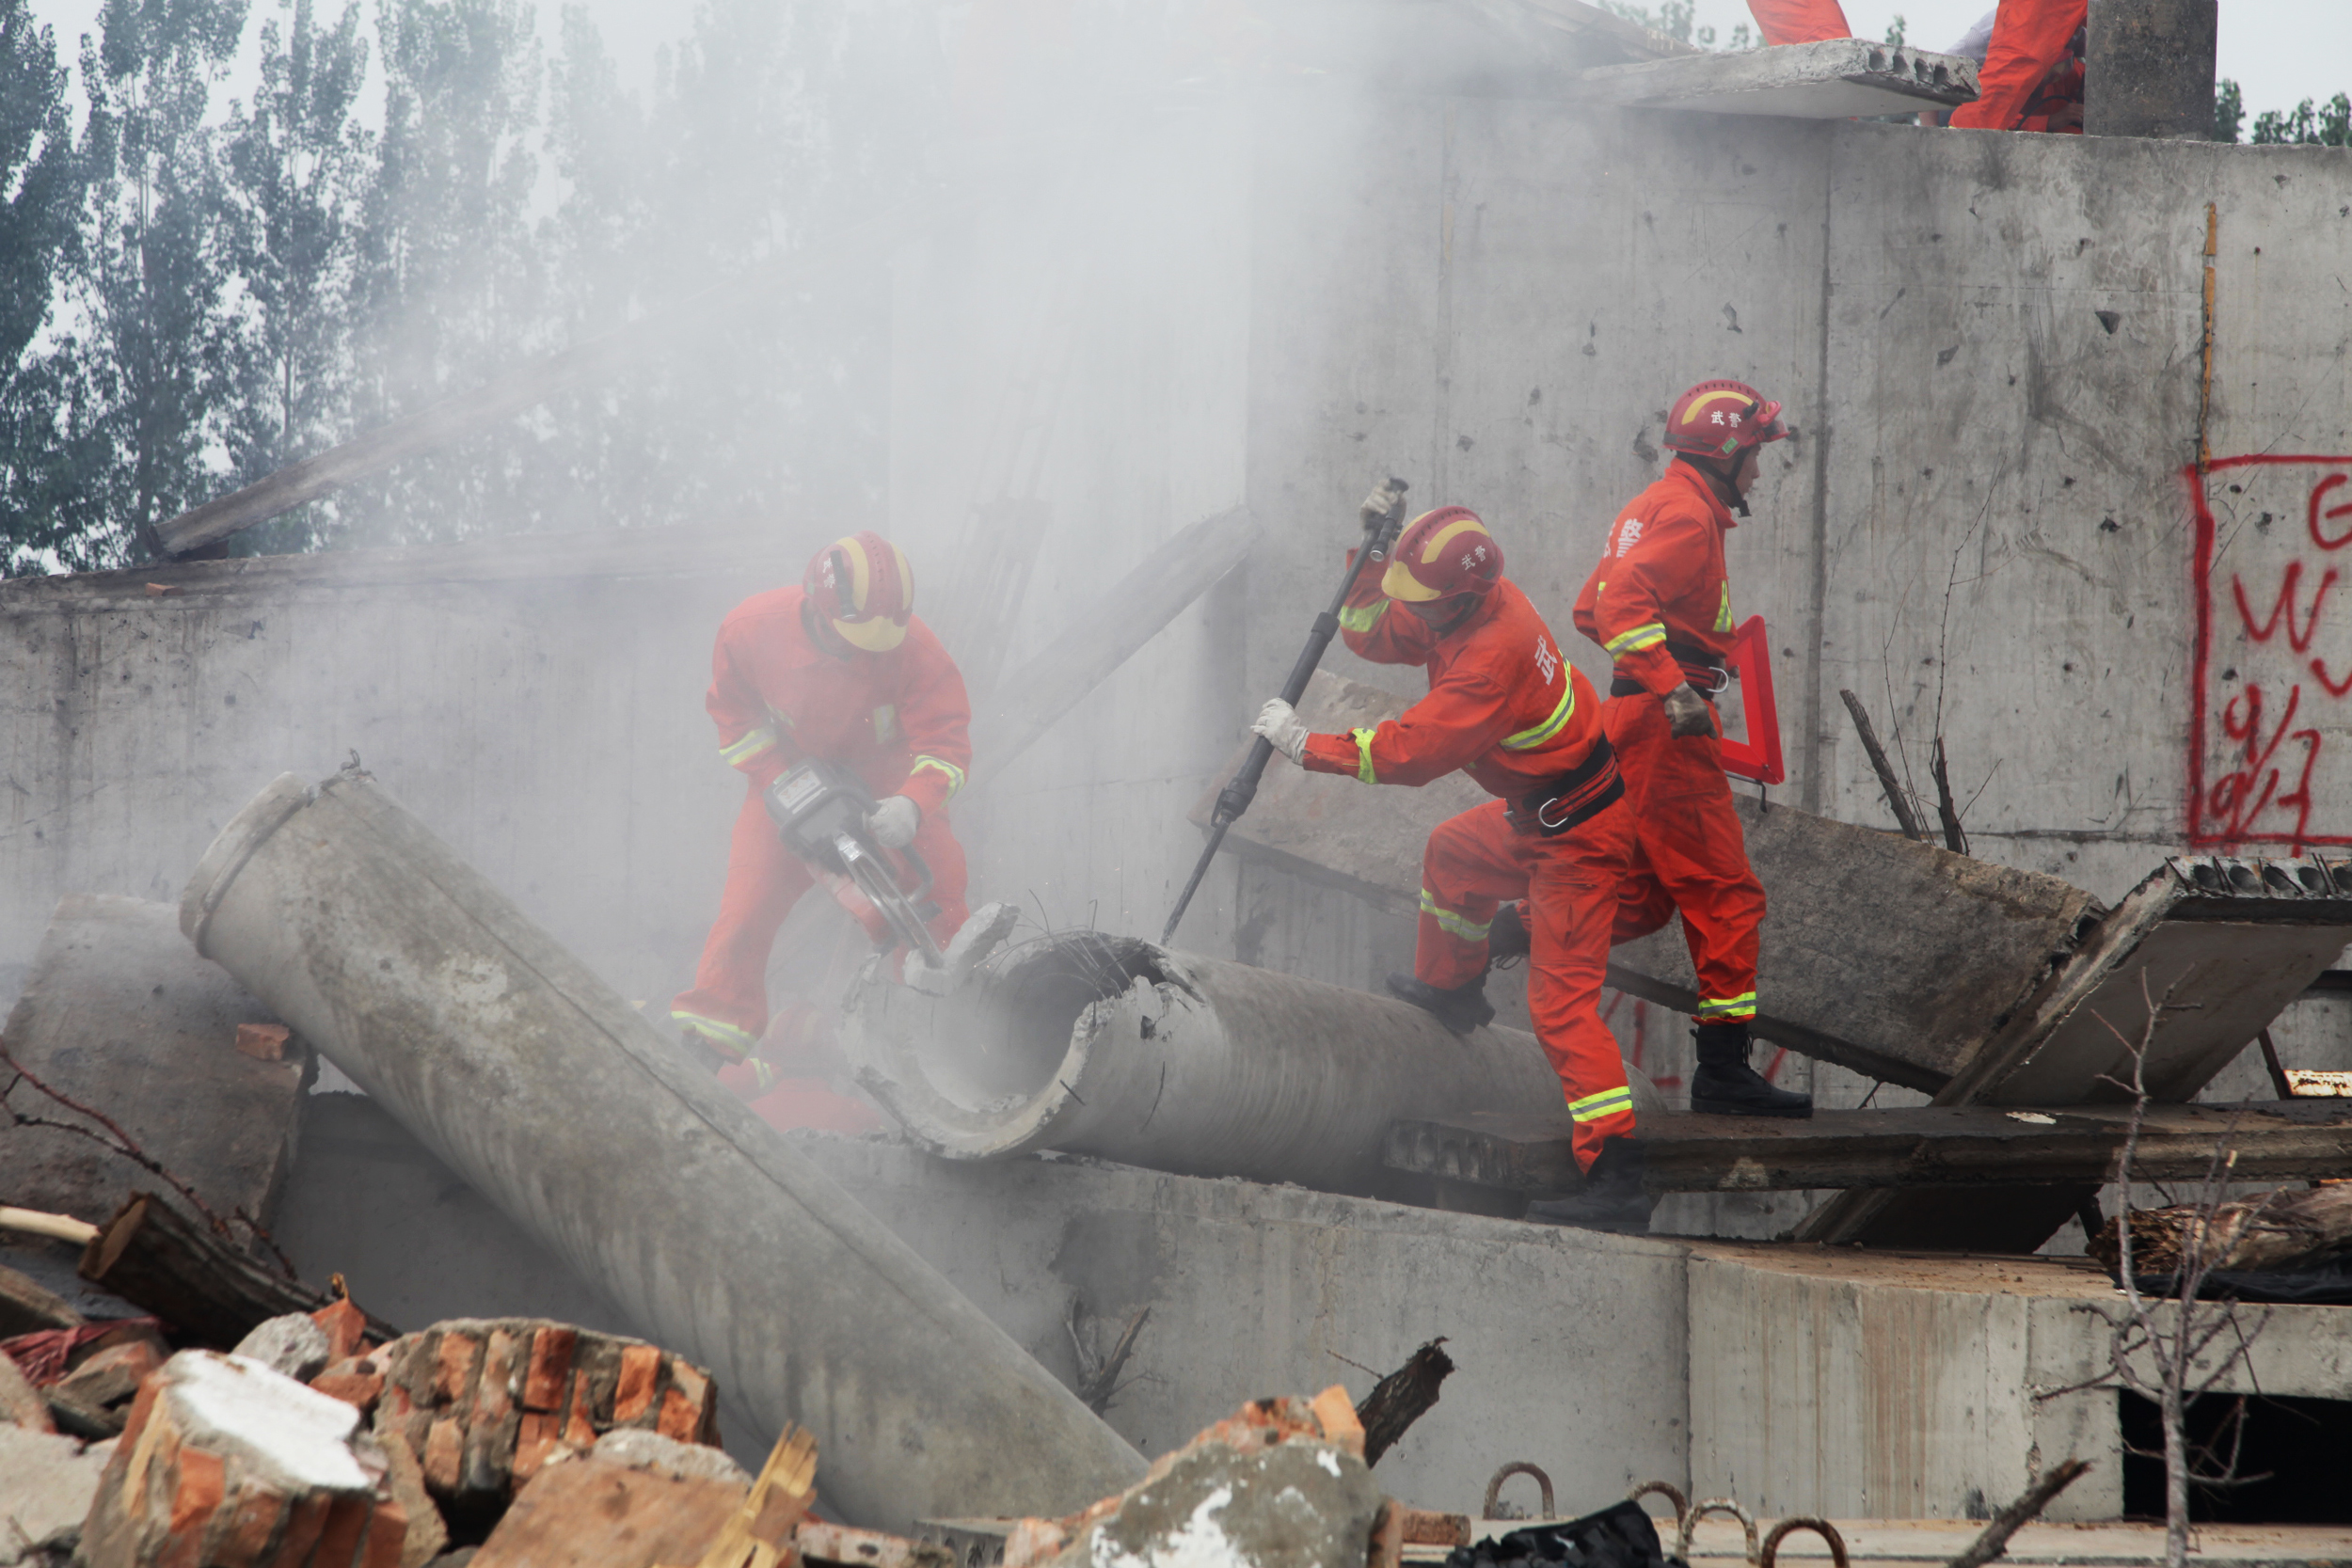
(900, 720)
(1799, 21)
(1660, 602)
(1507, 709)
(2014, 88)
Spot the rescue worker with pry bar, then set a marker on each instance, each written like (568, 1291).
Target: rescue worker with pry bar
(837, 668)
(1660, 602)
(1505, 708)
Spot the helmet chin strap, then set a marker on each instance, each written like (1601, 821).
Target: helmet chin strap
(1718, 481)
(823, 635)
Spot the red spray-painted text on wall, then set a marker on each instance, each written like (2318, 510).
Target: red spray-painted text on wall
(2272, 685)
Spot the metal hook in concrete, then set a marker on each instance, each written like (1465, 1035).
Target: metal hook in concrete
(1715, 1505)
(1666, 1490)
(1821, 1528)
(1518, 1467)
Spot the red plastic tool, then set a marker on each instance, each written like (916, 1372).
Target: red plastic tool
(1758, 756)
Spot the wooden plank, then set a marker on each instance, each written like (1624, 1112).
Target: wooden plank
(591, 1514)
(1927, 1146)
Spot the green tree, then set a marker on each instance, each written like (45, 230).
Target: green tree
(1677, 19)
(146, 373)
(2330, 125)
(2229, 111)
(42, 177)
(298, 164)
(450, 288)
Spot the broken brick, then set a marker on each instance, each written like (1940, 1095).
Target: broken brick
(263, 1042)
(550, 1366)
(227, 1463)
(641, 1365)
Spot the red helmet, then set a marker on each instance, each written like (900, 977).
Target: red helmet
(865, 587)
(1441, 553)
(1722, 419)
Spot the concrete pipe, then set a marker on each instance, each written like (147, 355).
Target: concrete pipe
(549, 1093)
(1117, 1048)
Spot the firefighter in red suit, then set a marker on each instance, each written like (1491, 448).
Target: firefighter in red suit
(1660, 602)
(837, 668)
(1506, 708)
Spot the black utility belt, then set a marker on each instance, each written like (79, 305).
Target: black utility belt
(1573, 799)
(1699, 671)
(1626, 686)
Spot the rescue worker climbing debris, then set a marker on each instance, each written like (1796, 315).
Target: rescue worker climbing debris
(837, 668)
(1659, 603)
(1506, 708)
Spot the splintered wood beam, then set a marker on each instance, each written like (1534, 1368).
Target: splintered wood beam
(1934, 1146)
(154, 1256)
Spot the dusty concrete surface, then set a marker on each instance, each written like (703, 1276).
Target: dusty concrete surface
(119, 1013)
(1807, 1379)
(46, 1485)
(1298, 1505)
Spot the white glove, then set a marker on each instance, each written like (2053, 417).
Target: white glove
(1278, 722)
(1378, 505)
(893, 823)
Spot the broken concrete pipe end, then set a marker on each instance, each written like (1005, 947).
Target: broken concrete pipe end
(545, 1092)
(1089, 1044)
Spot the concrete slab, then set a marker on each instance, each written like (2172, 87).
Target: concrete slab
(1883, 1543)
(2219, 945)
(1850, 1382)
(121, 1014)
(1835, 79)
(46, 1483)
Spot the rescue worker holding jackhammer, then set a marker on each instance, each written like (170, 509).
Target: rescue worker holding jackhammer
(1505, 708)
(837, 668)
(1660, 602)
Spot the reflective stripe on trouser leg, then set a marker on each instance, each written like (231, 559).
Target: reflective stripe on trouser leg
(1469, 866)
(764, 880)
(1452, 924)
(1571, 905)
(1693, 851)
(1727, 1009)
(1594, 1107)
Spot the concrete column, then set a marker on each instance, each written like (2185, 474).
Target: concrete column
(2148, 68)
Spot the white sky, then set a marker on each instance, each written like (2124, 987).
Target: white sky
(2279, 51)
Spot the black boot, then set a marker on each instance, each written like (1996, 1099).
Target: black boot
(1461, 1009)
(1726, 1085)
(1507, 940)
(1612, 1198)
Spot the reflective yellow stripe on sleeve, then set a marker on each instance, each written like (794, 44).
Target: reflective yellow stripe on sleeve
(1527, 740)
(1722, 615)
(1451, 921)
(1363, 756)
(752, 743)
(1606, 1104)
(1727, 1007)
(1648, 635)
(1362, 617)
(940, 765)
